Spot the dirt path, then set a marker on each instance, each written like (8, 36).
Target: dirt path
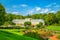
(53, 37)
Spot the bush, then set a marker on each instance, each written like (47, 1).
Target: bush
(33, 35)
(39, 25)
(27, 27)
(27, 23)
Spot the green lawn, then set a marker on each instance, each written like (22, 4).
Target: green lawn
(15, 31)
(53, 28)
(4, 35)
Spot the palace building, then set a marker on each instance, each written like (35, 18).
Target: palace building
(21, 22)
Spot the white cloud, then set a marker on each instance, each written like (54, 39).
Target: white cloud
(52, 11)
(15, 13)
(38, 8)
(44, 10)
(8, 10)
(23, 5)
(30, 12)
(34, 10)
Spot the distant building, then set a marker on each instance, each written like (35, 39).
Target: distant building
(20, 22)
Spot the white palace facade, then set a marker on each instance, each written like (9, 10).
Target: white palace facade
(33, 21)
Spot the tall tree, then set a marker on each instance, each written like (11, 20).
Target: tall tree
(58, 16)
(50, 18)
(35, 16)
(2, 14)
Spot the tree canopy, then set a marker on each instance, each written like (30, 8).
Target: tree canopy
(2, 14)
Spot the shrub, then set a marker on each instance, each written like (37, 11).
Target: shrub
(33, 35)
(27, 23)
(39, 25)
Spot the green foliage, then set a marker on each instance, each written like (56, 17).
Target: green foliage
(35, 16)
(50, 18)
(33, 35)
(8, 23)
(2, 14)
(10, 17)
(38, 16)
(58, 16)
(28, 16)
(39, 25)
(27, 23)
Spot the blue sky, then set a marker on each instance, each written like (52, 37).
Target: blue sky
(25, 7)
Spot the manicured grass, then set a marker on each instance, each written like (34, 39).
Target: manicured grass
(4, 35)
(53, 28)
(15, 31)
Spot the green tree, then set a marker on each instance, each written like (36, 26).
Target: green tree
(10, 17)
(28, 16)
(58, 16)
(42, 15)
(27, 23)
(2, 14)
(35, 16)
(50, 18)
